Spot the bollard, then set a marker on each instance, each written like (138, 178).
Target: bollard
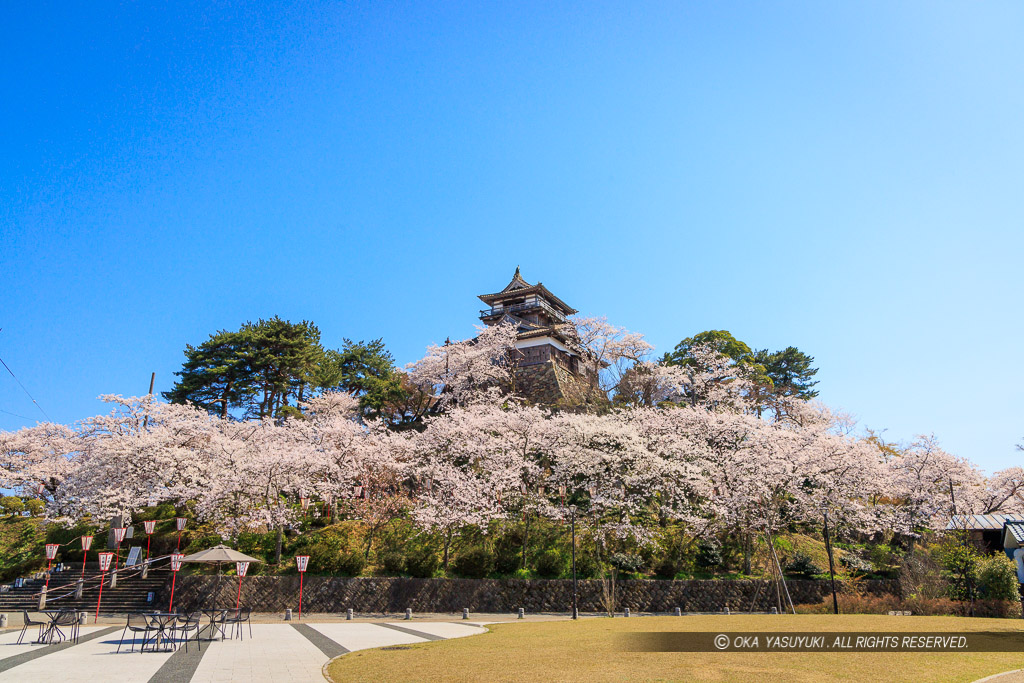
(774, 611)
(679, 612)
(726, 610)
(287, 615)
(348, 615)
(79, 587)
(3, 621)
(465, 613)
(408, 613)
(625, 612)
(521, 612)
(42, 599)
(83, 617)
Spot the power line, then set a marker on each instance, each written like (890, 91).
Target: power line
(7, 412)
(26, 391)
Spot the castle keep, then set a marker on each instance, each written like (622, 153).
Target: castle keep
(551, 366)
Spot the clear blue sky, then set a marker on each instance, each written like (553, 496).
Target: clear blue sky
(842, 177)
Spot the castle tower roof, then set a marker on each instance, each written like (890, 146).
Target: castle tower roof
(518, 287)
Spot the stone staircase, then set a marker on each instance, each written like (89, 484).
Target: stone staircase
(132, 593)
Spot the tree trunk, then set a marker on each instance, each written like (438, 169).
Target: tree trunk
(280, 542)
(447, 548)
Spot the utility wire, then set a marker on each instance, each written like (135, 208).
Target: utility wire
(26, 391)
(7, 412)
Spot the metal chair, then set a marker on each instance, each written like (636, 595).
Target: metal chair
(29, 621)
(186, 622)
(137, 623)
(68, 619)
(238, 617)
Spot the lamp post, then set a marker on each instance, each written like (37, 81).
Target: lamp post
(150, 527)
(105, 559)
(51, 552)
(831, 565)
(301, 562)
(119, 534)
(175, 566)
(241, 568)
(86, 544)
(179, 523)
(572, 522)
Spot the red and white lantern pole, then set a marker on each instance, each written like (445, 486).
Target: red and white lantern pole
(301, 562)
(179, 522)
(51, 552)
(105, 559)
(175, 566)
(304, 502)
(86, 544)
(150, 527)
(119, 534)
(241, 568)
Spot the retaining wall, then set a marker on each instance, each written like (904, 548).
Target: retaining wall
(332, 594)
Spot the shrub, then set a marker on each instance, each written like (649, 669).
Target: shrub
(854, 603)
(350, 564)
(12, 505)
(802, 565)
(856, 564)
(587, 566)
(393, 563)
(474, 563)
(625, 562)
(422, 563)
(508, 555)
(551, 564)
(997, 578)
(709, 555)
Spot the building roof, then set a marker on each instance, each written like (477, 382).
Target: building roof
(1015, 530)
(520, 287)
(992, 522)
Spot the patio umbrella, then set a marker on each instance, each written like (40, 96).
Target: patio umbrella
(218, 554)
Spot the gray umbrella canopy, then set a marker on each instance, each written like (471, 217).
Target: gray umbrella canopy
(218, 554)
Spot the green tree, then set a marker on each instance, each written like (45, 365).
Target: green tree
(720, 340)
(216, 375)
(12, 505)
(789, 370)
(364, 369)
(270, 367)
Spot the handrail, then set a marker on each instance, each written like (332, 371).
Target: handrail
(132, 571)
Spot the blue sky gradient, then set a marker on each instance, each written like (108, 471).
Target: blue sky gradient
(843, 178)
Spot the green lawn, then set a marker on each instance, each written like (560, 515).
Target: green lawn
(589, 650)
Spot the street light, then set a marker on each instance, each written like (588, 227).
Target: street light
(179, 523)
(175, 566)
(51, 552)
(119, 534)
(86, 544)
(105, 559)
(150, 527)
(301, 562)
(572, 519)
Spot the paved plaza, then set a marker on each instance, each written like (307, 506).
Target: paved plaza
(275, 652)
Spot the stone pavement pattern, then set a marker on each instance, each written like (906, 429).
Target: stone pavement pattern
(275, 652)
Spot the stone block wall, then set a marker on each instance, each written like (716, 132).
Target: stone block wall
(331, 594)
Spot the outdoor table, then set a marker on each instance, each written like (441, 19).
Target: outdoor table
(47, 637)
(214, 627)
(163, 622)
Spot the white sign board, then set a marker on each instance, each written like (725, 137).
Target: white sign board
(133, 556)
